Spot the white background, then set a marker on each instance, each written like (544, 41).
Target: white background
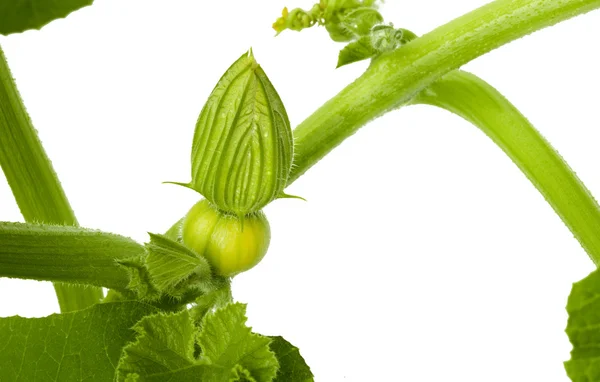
(422, 254)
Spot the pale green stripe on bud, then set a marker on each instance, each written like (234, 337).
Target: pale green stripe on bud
(242, 150)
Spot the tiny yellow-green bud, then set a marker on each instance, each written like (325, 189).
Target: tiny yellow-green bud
(229, 244)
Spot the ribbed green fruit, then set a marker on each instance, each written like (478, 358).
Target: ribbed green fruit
(230, 245)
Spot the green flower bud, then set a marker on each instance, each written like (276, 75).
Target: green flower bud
(230, 245)
(242, 150)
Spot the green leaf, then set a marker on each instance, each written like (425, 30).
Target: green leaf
(170, 264)
(226, 341)
(80, 346)
(358, 50)
(242, 149)
(241, 375)
(140, 282)
(174, 233)
(64, 253)
(583, 329)
(165, 343)
(169, 347)
(170, 274)
(381, 39)
(21, 15)
(292, 367)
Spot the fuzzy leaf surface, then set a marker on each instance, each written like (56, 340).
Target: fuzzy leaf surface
(292, 367)
(79, 346)
(165, 343)
(583, 329)
(171, 347)
(170, 263)
(226, 341)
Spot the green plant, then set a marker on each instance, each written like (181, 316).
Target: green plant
(151, 285)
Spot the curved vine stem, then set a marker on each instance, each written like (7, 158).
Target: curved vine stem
(473, 99)
(395, 78)
(33, 181)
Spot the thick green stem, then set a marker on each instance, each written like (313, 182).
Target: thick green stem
(65, 254)
(33, 181)
(479, 103)
(394, 78)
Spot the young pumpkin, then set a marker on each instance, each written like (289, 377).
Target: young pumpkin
(241, 158)
(230, 244)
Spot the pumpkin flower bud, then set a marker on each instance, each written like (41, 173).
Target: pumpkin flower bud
(242, 149)
(229, 245)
